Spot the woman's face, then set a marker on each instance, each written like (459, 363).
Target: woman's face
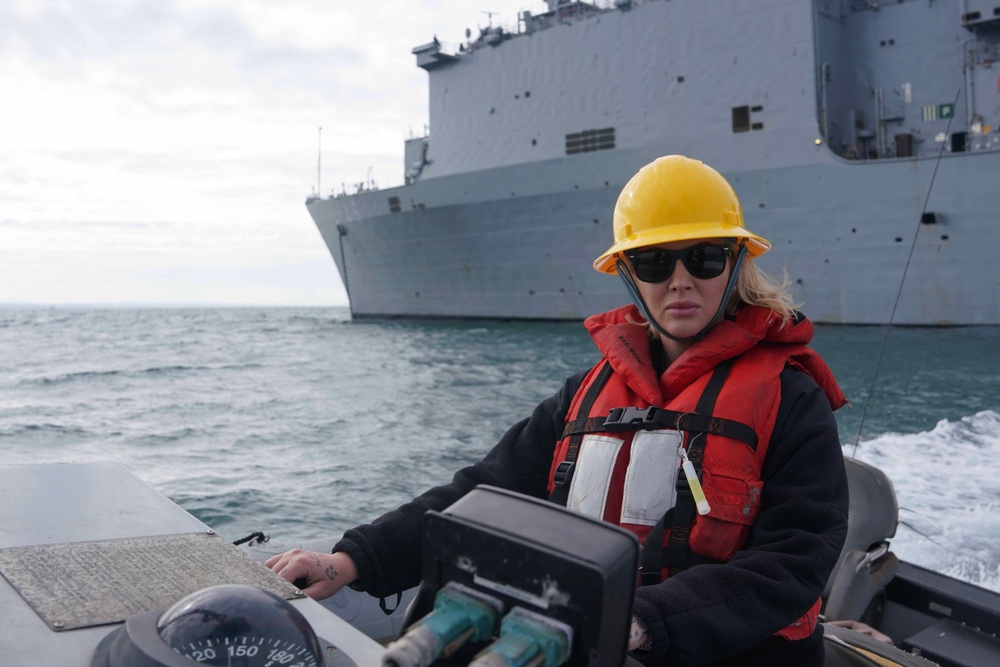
(684, 304)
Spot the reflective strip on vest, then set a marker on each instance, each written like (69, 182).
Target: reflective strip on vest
(650, 479)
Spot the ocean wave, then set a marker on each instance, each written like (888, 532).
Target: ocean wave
(979, 430)
(169, 437)
(20, 430)
(151, 371)
(92, 375)
(941, 478)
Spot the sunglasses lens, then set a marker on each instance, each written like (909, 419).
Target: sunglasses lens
(706, 261)
(653, 266)
(701, 261)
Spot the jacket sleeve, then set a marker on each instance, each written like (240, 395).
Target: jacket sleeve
(711, 612)
(388, 551)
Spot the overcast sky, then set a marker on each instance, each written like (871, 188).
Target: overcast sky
(160, 151)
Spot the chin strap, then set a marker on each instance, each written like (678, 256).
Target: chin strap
(633, 292)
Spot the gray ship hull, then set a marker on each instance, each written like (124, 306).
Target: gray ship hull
(843, 231)
(879, 204)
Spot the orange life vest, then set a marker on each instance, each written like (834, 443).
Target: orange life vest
(629, 474)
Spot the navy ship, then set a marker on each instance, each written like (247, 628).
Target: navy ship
(862, 137)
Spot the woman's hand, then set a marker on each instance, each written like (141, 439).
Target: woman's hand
(638, 640)
(864, 629)
(323, 574)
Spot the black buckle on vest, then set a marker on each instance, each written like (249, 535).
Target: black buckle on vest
(564, 472)
(626, 419)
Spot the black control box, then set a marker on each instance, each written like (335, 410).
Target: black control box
(541, 557)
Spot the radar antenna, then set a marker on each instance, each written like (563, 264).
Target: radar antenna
(489, 18)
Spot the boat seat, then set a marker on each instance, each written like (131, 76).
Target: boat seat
(866, 564)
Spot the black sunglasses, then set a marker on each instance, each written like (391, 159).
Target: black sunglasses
(704, 261)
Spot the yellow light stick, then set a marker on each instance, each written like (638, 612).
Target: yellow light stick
(692, 477)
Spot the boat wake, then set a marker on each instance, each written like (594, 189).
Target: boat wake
(941, 477)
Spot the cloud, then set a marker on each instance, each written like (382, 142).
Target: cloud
(198, 54)
(135, 133)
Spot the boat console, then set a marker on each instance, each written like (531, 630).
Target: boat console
(92, 557)
(101, 570)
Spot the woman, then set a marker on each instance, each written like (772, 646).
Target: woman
(739, 400)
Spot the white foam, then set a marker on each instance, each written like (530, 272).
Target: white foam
(946, 483)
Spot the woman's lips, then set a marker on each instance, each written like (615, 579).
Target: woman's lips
(682, 308)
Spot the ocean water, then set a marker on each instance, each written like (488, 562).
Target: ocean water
(303, 422)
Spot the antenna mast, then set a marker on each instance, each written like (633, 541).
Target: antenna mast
(319, 163)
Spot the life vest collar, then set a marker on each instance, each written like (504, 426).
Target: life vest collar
(626, 345)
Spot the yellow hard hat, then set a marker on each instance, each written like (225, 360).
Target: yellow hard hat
(675, 198)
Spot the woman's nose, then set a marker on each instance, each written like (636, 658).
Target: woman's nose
(679, 277)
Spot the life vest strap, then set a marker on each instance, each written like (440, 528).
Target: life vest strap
(651, 565)
(564, 473)
(650, 419)
(679, 554)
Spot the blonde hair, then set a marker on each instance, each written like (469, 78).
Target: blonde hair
(754, 287)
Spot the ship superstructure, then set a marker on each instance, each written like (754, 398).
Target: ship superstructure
(862, 138)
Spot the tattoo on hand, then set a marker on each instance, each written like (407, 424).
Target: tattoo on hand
(331, 573)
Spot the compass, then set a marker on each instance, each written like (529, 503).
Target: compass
(231, 625)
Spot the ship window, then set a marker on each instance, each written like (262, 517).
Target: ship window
(756, 108)
(741, 119)
(394, 206)
(590, 140)
(757, 126)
